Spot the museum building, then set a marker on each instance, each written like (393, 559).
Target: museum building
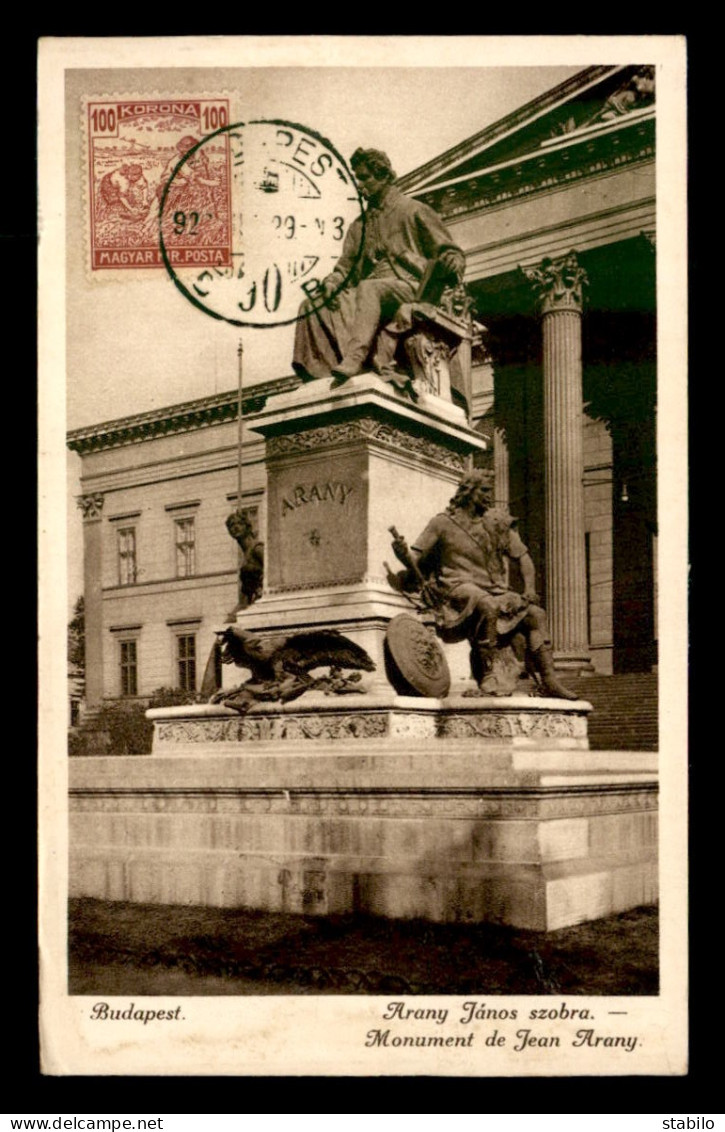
(554, 206)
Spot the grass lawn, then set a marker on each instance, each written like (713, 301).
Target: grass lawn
(123, 948)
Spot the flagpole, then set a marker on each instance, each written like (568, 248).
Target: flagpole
(240, 355)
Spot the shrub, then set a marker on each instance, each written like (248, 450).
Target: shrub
(129, 731)
(76, 744)
(171, 697)
(121, 726)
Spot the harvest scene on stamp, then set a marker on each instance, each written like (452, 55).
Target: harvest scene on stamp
(363, 674)
(134, 149)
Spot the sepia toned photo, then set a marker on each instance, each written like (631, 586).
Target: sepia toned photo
(362, 418)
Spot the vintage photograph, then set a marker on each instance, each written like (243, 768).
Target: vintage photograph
(361, 398)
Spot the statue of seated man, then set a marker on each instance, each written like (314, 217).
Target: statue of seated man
(463, 550)
(406, 250)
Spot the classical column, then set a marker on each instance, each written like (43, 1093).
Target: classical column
(92, 506)
(559, 285)
(501, 467)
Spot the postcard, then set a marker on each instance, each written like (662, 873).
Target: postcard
(363, 504)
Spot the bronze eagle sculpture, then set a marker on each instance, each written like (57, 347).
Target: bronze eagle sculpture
(280, 666)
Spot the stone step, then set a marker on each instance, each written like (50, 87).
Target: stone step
(625, 715)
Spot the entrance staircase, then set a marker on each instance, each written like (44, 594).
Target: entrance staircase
(625, 710)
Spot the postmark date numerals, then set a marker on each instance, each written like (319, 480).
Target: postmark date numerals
(184, 223)
(289, 226)
(286, 224)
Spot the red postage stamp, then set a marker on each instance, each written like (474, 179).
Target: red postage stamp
(134, 146)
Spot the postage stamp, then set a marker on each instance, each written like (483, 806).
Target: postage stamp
(293, 199)
(135, 147)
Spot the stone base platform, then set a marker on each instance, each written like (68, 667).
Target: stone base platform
(449, 825)
(314, 717)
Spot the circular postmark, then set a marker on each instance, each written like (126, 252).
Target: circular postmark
(290, 199)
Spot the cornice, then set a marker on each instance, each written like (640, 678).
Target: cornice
(586, 231)
(585, 156)
(185, 417)
(180, 466)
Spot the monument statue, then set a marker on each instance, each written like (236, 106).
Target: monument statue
(407, 254)
(281, 666)
(251, 571)
(457, 565)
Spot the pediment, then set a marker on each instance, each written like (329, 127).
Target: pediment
(591, 98)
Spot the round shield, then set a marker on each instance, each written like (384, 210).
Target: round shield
(418, 664)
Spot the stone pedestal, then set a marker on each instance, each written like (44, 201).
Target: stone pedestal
(452, 810)
(512, 721)
(463, 809)
(343, 466)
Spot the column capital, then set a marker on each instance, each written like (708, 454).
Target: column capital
(559, 283)
(91, 505)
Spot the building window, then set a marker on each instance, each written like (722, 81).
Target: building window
(186, 661)
(251, 514)
(185, 548)
(249, 511)
(129, 668)
(127, 556)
